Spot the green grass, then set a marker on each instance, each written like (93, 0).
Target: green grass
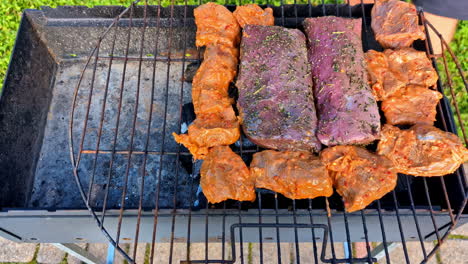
(10, 15)
(459, 45)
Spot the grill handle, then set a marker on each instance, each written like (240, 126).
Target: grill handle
(274, 225)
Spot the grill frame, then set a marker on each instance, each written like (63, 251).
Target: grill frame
(415, 213)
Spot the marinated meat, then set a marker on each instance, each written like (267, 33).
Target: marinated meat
(211, 82)
(276, 102)
(216, 25)
(359, 176)
(395, 24)
(346, 108)
(216, 123)
(252, 14)
(394, 69)
(411, 105)
(384, 82)
(422, 150)
(224, 175)
(295, 174)
(210, 130)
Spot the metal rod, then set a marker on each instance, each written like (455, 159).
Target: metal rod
(143, 170)
(158, 184)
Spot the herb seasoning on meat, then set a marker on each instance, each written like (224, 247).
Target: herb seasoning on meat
(276, 101)
(346, 108)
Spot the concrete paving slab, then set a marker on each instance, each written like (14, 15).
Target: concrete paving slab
(118, 258)
(461, 230)
(162, 253)
(49, 254)
(270, 253)
(140, 252)
(454, 251)
(16, 252)
(415, 253)
(99, 250)
(73, 260)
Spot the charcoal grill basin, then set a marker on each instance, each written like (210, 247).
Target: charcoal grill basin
(39, 198)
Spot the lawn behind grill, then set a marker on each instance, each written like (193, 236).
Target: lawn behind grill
(10, 14)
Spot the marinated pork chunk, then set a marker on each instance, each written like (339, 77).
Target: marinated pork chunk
(210, 130)
(346, 108)
(359, 176)
(252, 14)
(411, 105)
(211, 82)
(384, 82)
(422, 150)
(395, 24)
(392, 70)
(224, 175)
(216, 123)
(276, 103)
(295, 174)
(216, 25)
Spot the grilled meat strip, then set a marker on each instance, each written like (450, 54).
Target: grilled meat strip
(346, 108)
(295, 174)
(276, 102)
(422, 150)
(216, 123)
(359, 176)
(395, 24)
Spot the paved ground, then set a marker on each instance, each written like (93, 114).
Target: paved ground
(454, 251)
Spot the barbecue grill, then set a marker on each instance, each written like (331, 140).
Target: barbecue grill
(91, 98)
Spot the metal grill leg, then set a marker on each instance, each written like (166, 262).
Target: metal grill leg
(78, 253)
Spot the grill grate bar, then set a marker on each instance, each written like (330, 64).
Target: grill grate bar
(168, 69)
(260, 234)
(143, 173)
(330, 229)
(428, 197)
(158, 184)
(366, 236)
(117, 125)
(296, 240)
(382, 228)
(109, 175)
(314, 243)
(348, 237)
(416, 222)
(278, 247)
(132, 135)
(403, 242)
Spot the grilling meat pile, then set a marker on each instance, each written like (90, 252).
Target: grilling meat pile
(316, 91)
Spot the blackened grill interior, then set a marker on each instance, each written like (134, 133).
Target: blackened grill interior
(36, 103)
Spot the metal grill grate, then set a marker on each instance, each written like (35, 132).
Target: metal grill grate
(141, 186)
